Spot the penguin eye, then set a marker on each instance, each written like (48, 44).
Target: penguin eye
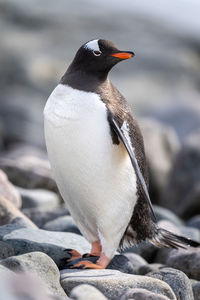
(96, 52)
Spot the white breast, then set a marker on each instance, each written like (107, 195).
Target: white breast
(94, 176)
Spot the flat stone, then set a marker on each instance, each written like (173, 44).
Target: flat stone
(122, 264)
(39, 264)
(145, 250)
(41, 216)
(163, 213)
(113, 284)
(141, 294)
(177, 280)
(63, 223)
(6, 250)
(86, 291)
(24, 240)
(136, 261)
(8, 190)
(38, 198)
(11, 214)
(188, 261)
(29, 172)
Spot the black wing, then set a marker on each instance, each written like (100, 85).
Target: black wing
(133, 159)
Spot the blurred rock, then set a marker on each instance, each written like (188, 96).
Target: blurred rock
(122, 264)
(143, 270)
(145, 249)
(9, 191)
(182, 193)
(113, 284)
(86, 291)
(141, 294)
(38, 198)
(37, 263)
(196, 289)
(6, 250)
(42, 216)
(194, 222)
(166, 214)
(28, 172)
(188, 261)
(54, 244)
(190, 233)
(161, 145)
(136, 260)
(4, 272)
(177, 280)
(10, 214)
(64, 223)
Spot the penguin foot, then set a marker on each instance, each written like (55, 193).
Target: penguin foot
(73, 255)
(85, 264)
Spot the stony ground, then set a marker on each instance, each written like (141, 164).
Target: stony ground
(38, 40)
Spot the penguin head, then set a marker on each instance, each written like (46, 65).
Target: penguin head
(97, 57)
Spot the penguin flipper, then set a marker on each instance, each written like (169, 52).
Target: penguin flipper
(123, 135)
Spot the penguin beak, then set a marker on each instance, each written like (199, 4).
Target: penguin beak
(123, 54)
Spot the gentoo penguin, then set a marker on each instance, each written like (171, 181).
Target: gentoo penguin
(97, 157)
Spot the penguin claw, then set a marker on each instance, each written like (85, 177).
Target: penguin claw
(73, 254)
(84, 265)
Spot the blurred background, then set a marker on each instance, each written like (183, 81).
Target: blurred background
(162, 84)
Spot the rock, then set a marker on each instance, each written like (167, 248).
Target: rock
(182, 193)
(9, 191)
(42, 216)
(38, 198)
(190, 233)
(188, 261)
(4, 272)
(161, 145)
(177, 280)
(141, 294)
(122, 264)
(113, 284)
(37, 263)
(143, 270)
(145, 249)
(136, 261)
(86, 291)
(10, 214)
(166, 214)
(6, 250)
(196, 289)
(24, 240)
(28, 172)
(63, 223)
(194, 222)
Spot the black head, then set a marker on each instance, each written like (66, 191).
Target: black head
(97, 57)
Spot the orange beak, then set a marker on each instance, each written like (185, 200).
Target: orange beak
(123, 55)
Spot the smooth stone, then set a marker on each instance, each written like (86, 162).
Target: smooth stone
(194, 222)
(54, 244)
(141, 294)
(112, 283)
(166, 214)
(145, 249)
(122, 264)
(4, 271)
(188, 261)
(6, 250)
(177, 280)
(136, 261)
(29, 172)
(11, 214)
(38, 198)
(63, 223)
(39, 264)
(196, 289)
(86, 291)
(190, 233)
(8, 190)
(143, 270)
(41, 216)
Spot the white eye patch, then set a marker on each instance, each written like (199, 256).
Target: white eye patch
(92, 45)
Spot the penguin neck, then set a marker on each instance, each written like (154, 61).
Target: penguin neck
(85, 81)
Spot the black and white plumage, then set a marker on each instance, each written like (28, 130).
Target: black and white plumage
(96, 152)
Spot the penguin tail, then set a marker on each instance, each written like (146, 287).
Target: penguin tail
(165, 238)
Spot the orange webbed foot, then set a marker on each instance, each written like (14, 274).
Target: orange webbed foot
(85, 264)
(73, 255)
